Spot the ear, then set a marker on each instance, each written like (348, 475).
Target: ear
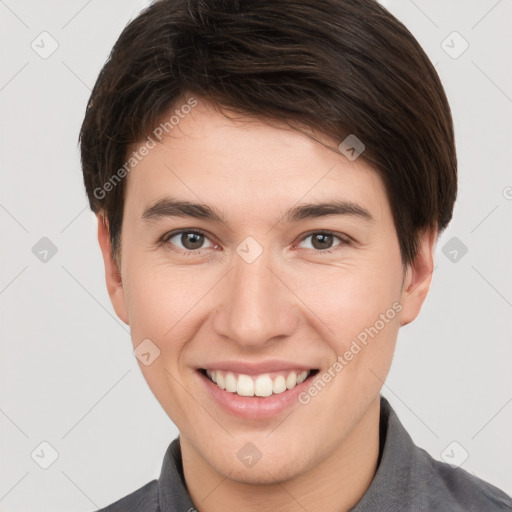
(112, 271)
(417, 278)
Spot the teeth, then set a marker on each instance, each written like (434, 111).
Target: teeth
(230, 382)
(279, 384)
(245, 386)
(221, 381)
(291, 380)
(261, 385)
(301, 377)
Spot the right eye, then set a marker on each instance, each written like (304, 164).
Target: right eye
(191, 240)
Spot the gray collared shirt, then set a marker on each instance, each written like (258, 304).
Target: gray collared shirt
(407, 479)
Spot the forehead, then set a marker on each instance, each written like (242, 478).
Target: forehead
(247, 164)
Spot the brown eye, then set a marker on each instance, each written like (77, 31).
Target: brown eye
(323, 240)
(192, 240)
(187, 240)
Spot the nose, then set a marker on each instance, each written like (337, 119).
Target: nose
(256, 306)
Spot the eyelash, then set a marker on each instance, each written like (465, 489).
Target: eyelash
(164, 240)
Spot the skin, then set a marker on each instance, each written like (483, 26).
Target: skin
(293, 302)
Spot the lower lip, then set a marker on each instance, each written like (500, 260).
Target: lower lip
(254, 407)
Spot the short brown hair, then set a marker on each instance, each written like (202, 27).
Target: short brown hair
(338, 66)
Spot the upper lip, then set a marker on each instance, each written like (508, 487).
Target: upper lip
(256, 368)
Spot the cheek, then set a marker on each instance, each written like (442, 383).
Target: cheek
(150, 316)
(368, 314)
(351, 299)
(153, 293)
(157, 301)
(158, 304)
(360, 305)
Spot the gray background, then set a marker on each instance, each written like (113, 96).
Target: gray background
(68, 375)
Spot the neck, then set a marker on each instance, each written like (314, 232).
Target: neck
(335, 484)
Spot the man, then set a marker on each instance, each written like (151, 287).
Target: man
(270, 179)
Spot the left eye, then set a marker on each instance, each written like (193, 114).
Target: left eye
(322, 240)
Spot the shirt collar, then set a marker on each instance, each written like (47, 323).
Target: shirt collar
(392, 488)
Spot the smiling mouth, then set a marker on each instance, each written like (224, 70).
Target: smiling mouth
(264, 385)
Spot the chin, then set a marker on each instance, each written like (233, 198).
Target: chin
(261, 475)
(271, 469)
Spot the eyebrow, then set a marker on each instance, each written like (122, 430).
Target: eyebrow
(170, 207)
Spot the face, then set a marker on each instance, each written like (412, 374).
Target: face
(262, 285)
